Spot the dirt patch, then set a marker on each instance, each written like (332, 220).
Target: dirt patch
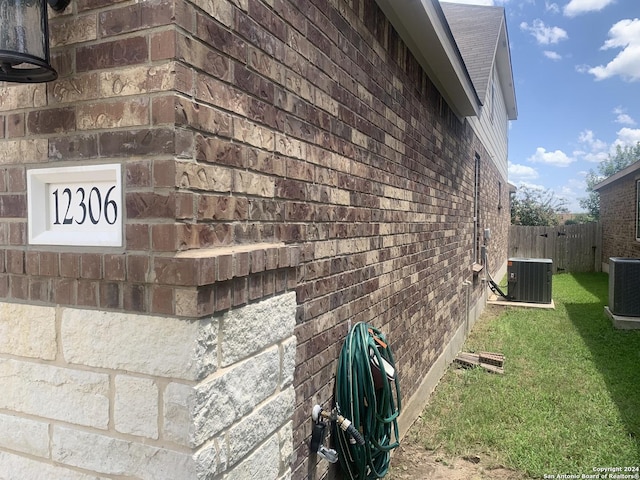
(412, 462)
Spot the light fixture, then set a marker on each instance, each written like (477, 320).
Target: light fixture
(24, 40)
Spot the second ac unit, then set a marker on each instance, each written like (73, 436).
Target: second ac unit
(624, 286)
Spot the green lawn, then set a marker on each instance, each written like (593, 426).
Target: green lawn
(569, 400)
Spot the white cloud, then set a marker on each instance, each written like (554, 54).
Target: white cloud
(625, 35)
(519, 173)
(544, 35)
(622, 117)
(552, 55)
(592, 149)
(472, 2)
(595, 150)
(556, 159)
(551, 7)
(576, 7)
(572, 192)
(587, 137)
(627, 137)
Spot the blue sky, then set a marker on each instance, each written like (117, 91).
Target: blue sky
(576, 66)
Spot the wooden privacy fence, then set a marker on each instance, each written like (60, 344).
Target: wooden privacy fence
(573, 248)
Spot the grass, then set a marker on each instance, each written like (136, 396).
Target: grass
(569, 400)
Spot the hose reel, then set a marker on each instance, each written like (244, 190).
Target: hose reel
(366, 407)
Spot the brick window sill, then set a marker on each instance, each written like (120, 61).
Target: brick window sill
(199, 267)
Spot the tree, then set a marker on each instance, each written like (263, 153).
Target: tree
(536, 207)
(579, 218)
(623, 157)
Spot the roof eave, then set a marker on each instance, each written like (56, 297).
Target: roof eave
(423, 27)
(617, 176)
(505, 72)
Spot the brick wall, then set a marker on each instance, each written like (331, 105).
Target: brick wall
(267, 146)
(618, 218)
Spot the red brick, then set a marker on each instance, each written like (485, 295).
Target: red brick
(87, 293)
(90, 266)
(73, 146)
(115, 267)
(16, 179)
(137, 236)
(255, 286)
(134, 297)
(110, 295)
(162, 300)
(119, 53)
(63, 291)
(163, 237)
(165, 111)
(49, 264)
(137, 142)
(15, 261)
(223, 299)
(138, 174)
(214, 150)
(135, 17)
(149, 205)
(39, 290)
(32, 263)
(164, 173)
(163, 45)
(258, 261)
(240, 292)
(268, 283)
(19, 287)
(271, 258)
(224, 265)
(184, 206)
(70, 265)
(14, 206)
(220, 38)
(15, 125)
(206, 300)
(206, 270)
(175, 271)
(137, 268)
(4, 286)
(55, 120)
(241, 264)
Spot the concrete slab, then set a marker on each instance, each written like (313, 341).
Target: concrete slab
(493, 300)
(621, 322)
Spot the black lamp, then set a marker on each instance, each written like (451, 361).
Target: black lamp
(24, 40)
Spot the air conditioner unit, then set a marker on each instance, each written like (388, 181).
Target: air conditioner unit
(530, 279)
(624, 286)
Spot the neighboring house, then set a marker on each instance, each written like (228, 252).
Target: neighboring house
(620, 214)
(288, 169)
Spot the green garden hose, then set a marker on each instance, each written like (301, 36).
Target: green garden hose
(368, 393)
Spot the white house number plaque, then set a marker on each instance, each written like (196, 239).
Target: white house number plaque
(76, 206)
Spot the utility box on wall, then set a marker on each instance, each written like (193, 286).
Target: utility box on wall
(624, 286)
(530, 279)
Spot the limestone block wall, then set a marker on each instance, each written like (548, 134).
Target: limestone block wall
(95, 394)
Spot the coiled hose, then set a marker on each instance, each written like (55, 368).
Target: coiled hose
(370, 397)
